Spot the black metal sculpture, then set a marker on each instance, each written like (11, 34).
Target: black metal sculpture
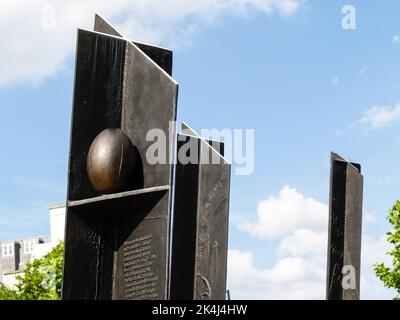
(200, 233)
(119, 205)
(345, 224)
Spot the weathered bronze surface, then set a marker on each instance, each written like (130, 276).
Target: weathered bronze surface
(201, 218)
(161, 56)
(119, 204)
(111, 161)
(116, 245)
(345, 224)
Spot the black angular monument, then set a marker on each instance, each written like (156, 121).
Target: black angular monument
(119, 225)
(201, 207)
(345, 225)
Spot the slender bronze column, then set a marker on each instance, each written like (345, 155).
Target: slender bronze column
(345, 226)
(201, 217)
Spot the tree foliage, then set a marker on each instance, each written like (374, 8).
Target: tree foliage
(390, 275)
(41, 281)
(7, 293)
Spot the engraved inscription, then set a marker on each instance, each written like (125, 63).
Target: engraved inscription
(139, 279)
(213, 192)
(204, 236)
(203, 288)
(207, 247)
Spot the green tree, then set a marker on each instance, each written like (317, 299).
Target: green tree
(7, 293)
(41, 281)
(390, 276)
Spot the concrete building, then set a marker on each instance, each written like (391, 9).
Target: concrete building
(15, 254)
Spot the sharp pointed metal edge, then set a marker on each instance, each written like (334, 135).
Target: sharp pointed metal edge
(103, 26)
(337, 157)
(187, 130)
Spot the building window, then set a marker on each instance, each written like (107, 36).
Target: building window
(8, 249)
(28, 247)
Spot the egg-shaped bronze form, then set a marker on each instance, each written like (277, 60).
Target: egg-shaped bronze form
(111, 161)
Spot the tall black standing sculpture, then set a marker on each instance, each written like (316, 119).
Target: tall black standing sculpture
(119, 205)
(200, 232)
(345, 223)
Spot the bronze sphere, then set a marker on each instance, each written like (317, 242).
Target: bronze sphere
(111, 161)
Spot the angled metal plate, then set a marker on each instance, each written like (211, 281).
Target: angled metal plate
(162, 56)
(149, 103)
(218, 146)
(101, 25)
(97, 102)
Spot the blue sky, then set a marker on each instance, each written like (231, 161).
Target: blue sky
(286, 69)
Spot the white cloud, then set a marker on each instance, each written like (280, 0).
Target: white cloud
(279, 216)
(39, 35)
(374, 251)
(296, 277)
(303, 242)
(289, 278)
(380, 116)
(300, 223)
(299, 271)
(396, 39)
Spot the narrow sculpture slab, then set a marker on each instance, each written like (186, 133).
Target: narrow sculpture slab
(345, 224)
(200, 234)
